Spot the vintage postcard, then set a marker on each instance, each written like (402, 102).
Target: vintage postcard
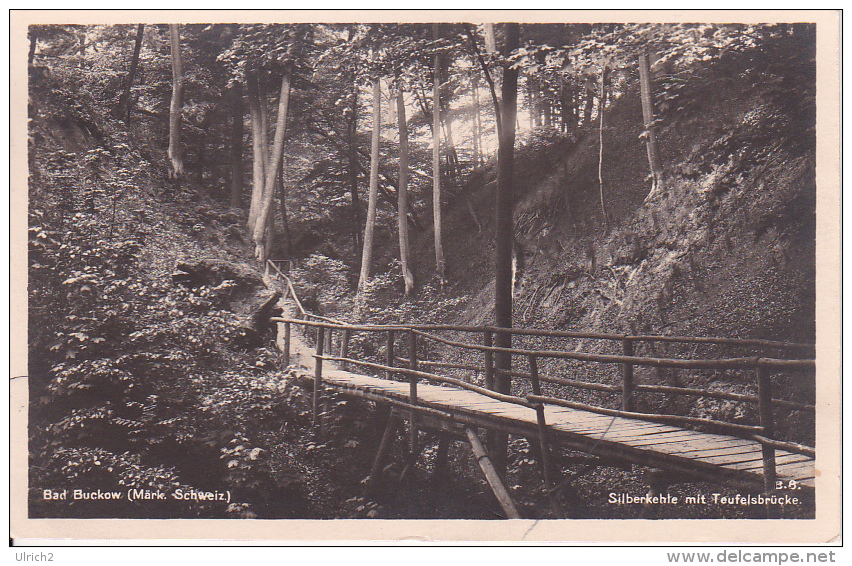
(449, 276)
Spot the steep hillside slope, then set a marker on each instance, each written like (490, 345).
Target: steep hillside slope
(727, 249)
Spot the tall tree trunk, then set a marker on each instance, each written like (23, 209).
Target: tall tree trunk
(436, 164)
(267, 149)
(124, 105)
(420, 95)
(536, 103)
(452, 154)
(236, 145)
(548, 111)
(654, 161)
(269, 241)
(353, 169)
(367, 255)
(492, 89)
(282, 188)
(542, 100)
(477, 123)
(602, 102)
(505, 231)
(589, 95)
(566, 97)
(258, 146)
(490, 42)
(263, 219)
(530, 103)
(175, 150)
(402, 199)
(446, 117)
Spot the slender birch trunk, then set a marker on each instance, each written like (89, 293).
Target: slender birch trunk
(477, 123)
(266, 148)
(353, 170)
(436, 165)
(175, 151)
(258, 146)
(654, 161)
(263, 219)
(530, 103)
(603, 95)
(402, 198)
(367, 255)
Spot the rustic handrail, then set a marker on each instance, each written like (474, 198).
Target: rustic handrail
(741, 430)
(725, 395)
(434, 377)
(710, 394)
(292, 292)
(593, 335)
(723, 363)
(762, 365)
(794, 447)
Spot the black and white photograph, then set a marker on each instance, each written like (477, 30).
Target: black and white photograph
(521, 269)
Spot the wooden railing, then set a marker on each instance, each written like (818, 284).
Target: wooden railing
(763, 368)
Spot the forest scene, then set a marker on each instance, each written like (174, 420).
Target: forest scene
(603, 188)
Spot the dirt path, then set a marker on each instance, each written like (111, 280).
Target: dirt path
(301, 354)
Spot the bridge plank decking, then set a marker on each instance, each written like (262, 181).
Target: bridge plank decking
(708, 456)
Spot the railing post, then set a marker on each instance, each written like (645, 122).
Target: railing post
(390, 359)
(344, 347)
(318, 373)
(329, 344)
(542, 426)
(627, 377)
(286, 344)
(412, 385)
(767, 421)
(502, 379)
(488, 341)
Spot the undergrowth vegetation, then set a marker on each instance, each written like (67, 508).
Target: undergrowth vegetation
(136, 382)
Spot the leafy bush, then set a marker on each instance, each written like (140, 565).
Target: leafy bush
(323, 285)
(135, 383)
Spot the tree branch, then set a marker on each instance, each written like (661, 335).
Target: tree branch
(488, 78)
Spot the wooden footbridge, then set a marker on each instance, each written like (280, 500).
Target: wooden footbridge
(747, 457)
